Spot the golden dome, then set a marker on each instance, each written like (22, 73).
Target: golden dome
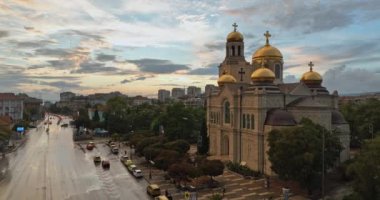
(226, 78)
(311, 76)
(263, 74)
(235, 36)
(267, 50)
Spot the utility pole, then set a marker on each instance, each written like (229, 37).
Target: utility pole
(323, 163)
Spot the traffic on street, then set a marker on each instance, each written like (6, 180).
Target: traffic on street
(51, 166)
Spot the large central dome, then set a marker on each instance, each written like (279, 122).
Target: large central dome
(267, 51)
(235, 36)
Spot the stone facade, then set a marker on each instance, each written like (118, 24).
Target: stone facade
(242, 112)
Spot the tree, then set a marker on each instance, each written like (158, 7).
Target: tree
(203, 144)
(96, 117)
(212, 167)
(181, 146)
(361, 116)
(181, 171)
(296, 153)
(366, 171)
(166, 158)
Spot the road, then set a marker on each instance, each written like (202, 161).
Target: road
(51, 166)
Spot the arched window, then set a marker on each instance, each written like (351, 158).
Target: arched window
(233, 50)
(252, 121)
(277, 71)
(248, 121)
(227, 112)
(239, 51)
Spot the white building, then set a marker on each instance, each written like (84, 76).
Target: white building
(11, 105)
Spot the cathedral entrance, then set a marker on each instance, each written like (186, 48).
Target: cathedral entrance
(225, 145)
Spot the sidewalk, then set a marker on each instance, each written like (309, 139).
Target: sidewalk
(236, 186)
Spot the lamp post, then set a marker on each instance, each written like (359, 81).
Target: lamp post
(150, 168)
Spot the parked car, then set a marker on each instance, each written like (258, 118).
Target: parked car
(131, 168)
(137, 173)
(127, 162)
(115, 150)
(106, 164)
(153, 190)
(64, 125)
(90, 146)
(97, 159)
(161, 197)
(124, 158)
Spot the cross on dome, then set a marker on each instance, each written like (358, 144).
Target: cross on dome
(235, 26)
(267, 35)
(311, 64)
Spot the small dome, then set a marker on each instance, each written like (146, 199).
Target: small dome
(235, 36)
(267, 51)
(311, 77)
(279, 117)
(226, 78)
(263, 74)
(337, 118)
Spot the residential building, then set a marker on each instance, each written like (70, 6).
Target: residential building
(194, 91)
(66, 96)
(12, 106)
(163, 95)
(178, 92)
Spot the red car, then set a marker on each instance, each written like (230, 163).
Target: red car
(106, 164)
(90, 146)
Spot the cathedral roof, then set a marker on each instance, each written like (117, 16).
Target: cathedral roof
(279, 117)
(235, 36)
(226, 78)
(311, 77)
(267, 50)
(263, 74)
(337, 118)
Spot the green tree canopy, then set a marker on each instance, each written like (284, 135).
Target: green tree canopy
(361, 116)
(366, 170)
(212, 167)
(296, 153)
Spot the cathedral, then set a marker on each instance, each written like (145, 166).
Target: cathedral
(252, 100)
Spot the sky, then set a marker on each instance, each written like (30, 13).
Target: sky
(139, 46)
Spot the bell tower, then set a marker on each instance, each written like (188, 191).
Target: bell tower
(234, 62)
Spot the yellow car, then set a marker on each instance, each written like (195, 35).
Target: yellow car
(161, 197)
(153, 190)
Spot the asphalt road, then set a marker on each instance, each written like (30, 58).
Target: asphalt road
(51, 166)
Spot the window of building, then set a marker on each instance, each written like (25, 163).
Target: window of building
(252, 121)
(248, 121)
(239, 51)
(243, 120)
(233, 50)
(277, 70)
(227, 112)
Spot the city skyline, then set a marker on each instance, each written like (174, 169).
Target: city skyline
(138, 47)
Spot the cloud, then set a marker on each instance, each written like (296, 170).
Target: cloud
(290, 79)
(105, 57)
(62, 64)
(307, 16)
(137, 78)
(94, 67)
(3, 33)
(217, 45)
(52, 52)
(158, 66)
(351, 80)
(32, 44)
(211, 69)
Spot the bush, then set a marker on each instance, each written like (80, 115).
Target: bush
(212, 167)
(216, 196)
(145, 142)
(243, 170)
(181, 146)
(150, 153)
(166, 158)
